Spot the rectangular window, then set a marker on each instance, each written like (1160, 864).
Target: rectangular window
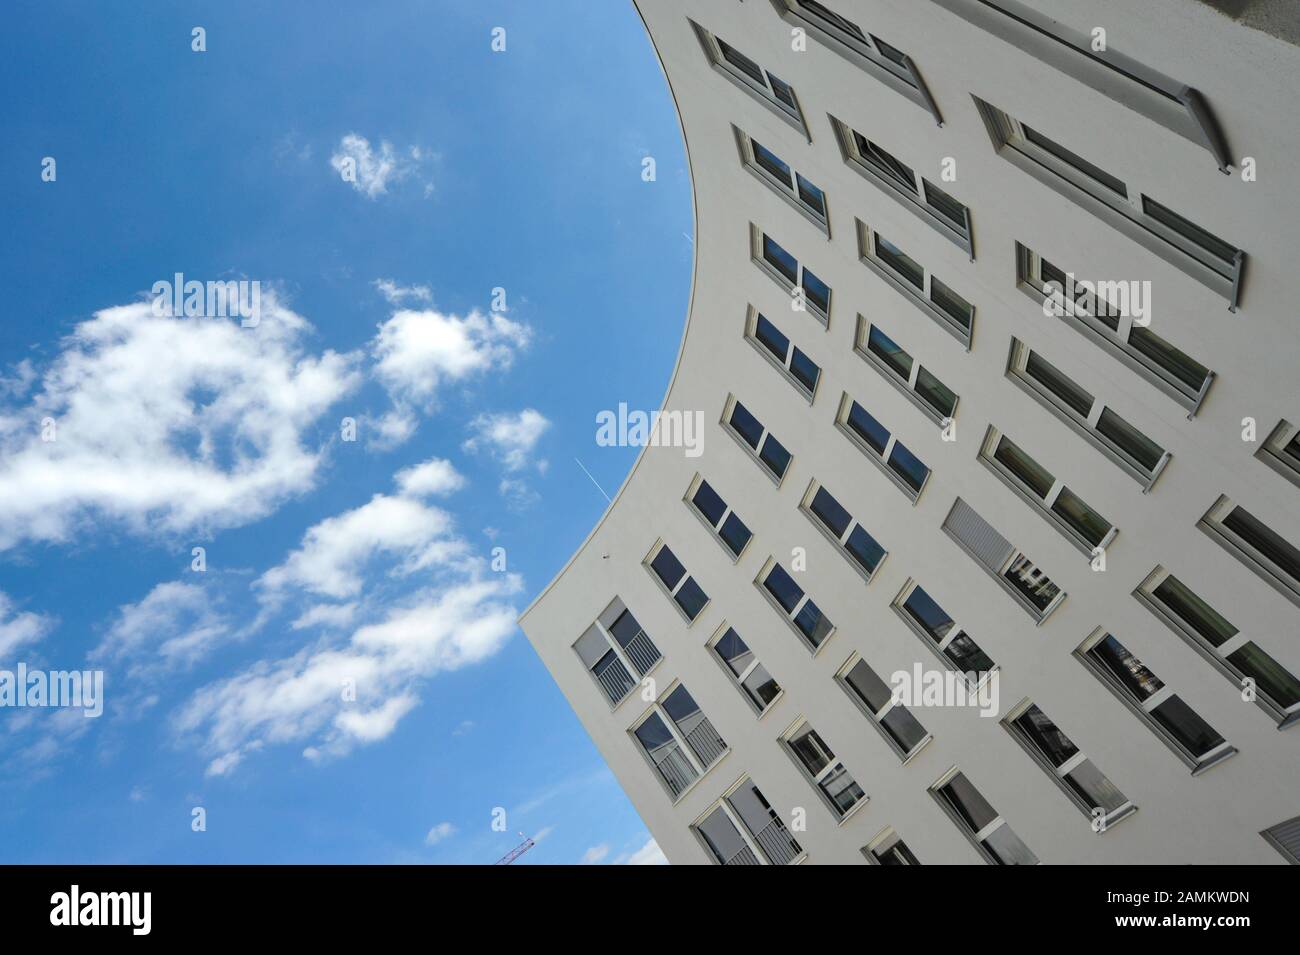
(763, 85)
(759, 687)
(1169, 102)
(1281, 451)
(852, 539)
(888, 849)
(813, 626)
(726, 526)
(777, 174)
(776, 347)
(678, 740)
(936, 299)
(1102, 426)
(764, 447)
(1177, 725)
(1171, 370)
(882, 60)
(664, 566)
(979, 822)
(936, 207)
(884, 449)
(744, 829)
(1256, 545)
(615, 648)
(895, 722)
(795, 278)
(1196, 251)
(923, 389)
(1285, 838)
(1014, 572)
(1064, 509)
(949, 642)
(823, 770)
(1079, 778)
(1277, 690)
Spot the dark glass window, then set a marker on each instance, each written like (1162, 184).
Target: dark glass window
(772, 339)
(1264, 540)
(1190, 231)
(780, 259)
(908, 466)
(868, 428)
(835, 517)
(709, 503)
(921, 607)
(735, 534)
(884, 347)
(746, 425)
(691, 598)
(805, 370)
(772, 163)
(782, 586)
(900, 262)
(864, 549)
(817, 292)
(1051, 378)
(667, 567)
(775, 456)
(1095, 173)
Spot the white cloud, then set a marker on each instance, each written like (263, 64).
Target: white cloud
(167, 425)
(19, 629)
(464, 728)
(511, 439)
(417, 352)
(391, 429)
(437, 629)
(174, 626)
(21, 381)
(595, 855)
(369, 170)
(441, 831)
(648, 854)
(398, 294)
(333, 553)
(332, 616)
(433, 478)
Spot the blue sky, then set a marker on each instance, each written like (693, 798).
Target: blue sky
(328, 561)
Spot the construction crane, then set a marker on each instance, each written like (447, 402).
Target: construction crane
(517, 851)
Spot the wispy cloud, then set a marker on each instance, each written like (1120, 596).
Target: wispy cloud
(370, 171)
(443, 830)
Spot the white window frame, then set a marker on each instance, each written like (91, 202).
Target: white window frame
(764, 92)
(798, 294)
(657, 708)
(727, 408)
(908, 387)
(824, 773)
(759, 582)
(716, 532)
(1145, 594)
(877, 718)
(1060, 773)
(739, 680)
(880, 839)
(1169, 102)
(1030, 281)
(903, 78)
(1212, 524)
(976, 839)
(659, 545)
(621, 656)
(751, 336)
(1127, 214)
(805, 505)
(1142, 708)
(1271, 453)
(1084, 425)
(787, 191)
(880, 459)
(1043, 505)
(917, 199)
(750, 839)
(938, 648)
(923, 298)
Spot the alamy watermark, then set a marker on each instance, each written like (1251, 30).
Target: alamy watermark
(77, 689)
(1129, 298)
(921, 687)
(655, 429)
(179, 298)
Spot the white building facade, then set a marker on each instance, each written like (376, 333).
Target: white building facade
(994, 332)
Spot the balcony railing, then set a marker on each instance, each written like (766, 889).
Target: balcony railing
(744, 857)
(676, 769)
(777, 844)
(615, 680)
(706, 743)
(642, 652)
